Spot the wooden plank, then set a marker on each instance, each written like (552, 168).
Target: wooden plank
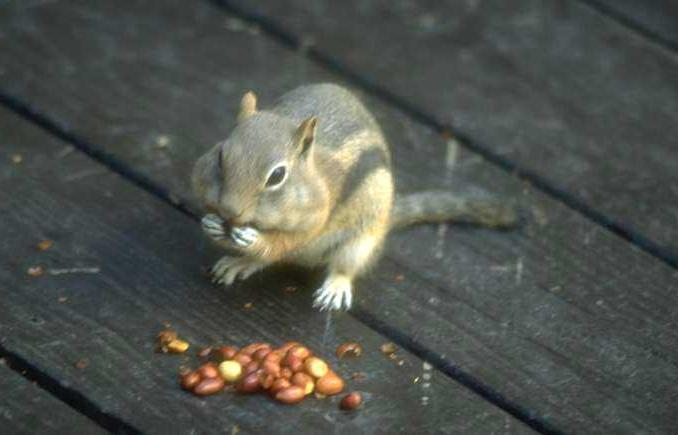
(554, 318)
(657, 19)
(574, 100)
(140, 266)
(27, 409)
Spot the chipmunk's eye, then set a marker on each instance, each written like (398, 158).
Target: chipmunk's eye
(277, 176)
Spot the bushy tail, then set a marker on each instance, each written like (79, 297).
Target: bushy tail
(435, 206)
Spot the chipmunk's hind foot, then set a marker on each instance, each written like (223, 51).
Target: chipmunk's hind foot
(336, 293)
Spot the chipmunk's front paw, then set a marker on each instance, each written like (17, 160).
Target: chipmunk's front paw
(336, 293)
(244, 237)
(227, 269)
(213, 226)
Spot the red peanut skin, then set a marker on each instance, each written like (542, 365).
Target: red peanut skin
(290, 395)
(351, 401)
(190, 380)
(209, 386)
(249, 384)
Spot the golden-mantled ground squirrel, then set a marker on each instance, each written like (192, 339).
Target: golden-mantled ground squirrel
(309, 182)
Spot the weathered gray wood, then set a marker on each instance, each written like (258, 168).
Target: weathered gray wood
(27, 409)
(552, 87)
(655, 18)
(147, 260)
(562, 318)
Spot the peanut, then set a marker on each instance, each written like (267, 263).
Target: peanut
(230, 370)
(316, 367)
(349, 349)
(294, 363)
(304, 381)
(177, 346)
(208, 370)
(351, 401)
(266, 380)
(279, 384)
(301, 352)
(242, 359)
(251, 348)
(330, 384)
(251, 367)
(287, 346)
(227, 352)
(190, 380)
(166, 336)
(272, 368)
(209, 386)
(261, 353)
(290, 395)
(274, 357)
(249, 384)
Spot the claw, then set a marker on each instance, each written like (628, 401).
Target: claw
(244, 236)
(334, 294)
(212, 220)
(228, 269)
(213, 226)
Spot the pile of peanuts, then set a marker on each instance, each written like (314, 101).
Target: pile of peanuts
(288, 374)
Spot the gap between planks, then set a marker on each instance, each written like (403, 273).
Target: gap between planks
(73, 398)
(635, 26)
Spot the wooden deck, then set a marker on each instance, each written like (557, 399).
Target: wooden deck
(568, 109)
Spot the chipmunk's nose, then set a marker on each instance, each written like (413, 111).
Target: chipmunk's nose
(231, 211)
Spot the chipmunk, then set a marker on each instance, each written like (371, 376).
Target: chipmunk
(309, 182)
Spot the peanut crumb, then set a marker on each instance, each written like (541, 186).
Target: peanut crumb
(162, 141)
(35, 271)
(44, 245)
(388, 348)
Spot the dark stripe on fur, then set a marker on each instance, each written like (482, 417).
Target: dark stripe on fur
(370, 160)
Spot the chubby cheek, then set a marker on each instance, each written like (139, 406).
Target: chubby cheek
(210, 199)
(291, 209)
(206, 182)
(270, 217)
(207, 192)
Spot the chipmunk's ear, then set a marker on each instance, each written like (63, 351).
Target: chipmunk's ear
(306, 135)
(248, 106)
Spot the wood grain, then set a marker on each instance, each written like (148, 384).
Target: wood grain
(27, 409)
(657, 19)
(144, 261)
(562, 318)
(569, 97)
